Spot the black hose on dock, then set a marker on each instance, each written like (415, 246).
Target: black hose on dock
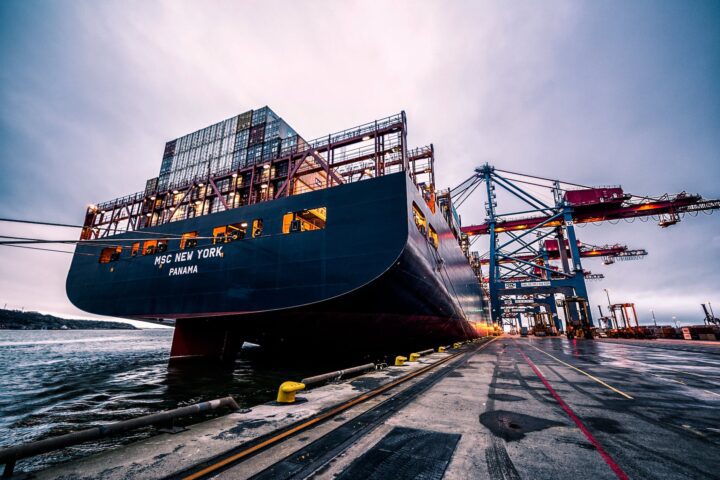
(9, 455)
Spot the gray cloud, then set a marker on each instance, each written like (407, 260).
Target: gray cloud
(597, 93)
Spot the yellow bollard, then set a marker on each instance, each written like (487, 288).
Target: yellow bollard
(286, 392)
(414, 357)
(441, 349)
(400, 361)
(457, 345)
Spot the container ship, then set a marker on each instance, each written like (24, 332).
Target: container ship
(251, 233)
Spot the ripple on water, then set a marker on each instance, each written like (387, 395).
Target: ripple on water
(55, 382)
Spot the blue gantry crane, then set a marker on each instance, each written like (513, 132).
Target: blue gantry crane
(517, 257)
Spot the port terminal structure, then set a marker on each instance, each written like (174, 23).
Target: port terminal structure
(523, 241)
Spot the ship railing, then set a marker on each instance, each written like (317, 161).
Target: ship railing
(420, 152)
(121, 201)
(357, 131)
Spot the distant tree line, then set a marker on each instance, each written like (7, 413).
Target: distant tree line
(19, 320)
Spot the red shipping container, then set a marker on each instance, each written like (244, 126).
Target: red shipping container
(594, 196)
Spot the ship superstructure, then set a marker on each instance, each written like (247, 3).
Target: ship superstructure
(251, 233)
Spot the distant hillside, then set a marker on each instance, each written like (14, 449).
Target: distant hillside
(17, 320)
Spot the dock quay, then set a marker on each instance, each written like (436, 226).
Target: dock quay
(501, 408)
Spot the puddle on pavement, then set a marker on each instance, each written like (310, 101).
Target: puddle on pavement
(512, 426)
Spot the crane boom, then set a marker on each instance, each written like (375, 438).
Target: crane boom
(602, 211)
(586, 251)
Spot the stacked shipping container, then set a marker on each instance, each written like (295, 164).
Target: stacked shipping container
(247, 139)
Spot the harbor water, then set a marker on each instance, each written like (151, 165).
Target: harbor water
(56, 381)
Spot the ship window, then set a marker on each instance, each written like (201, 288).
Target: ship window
(110, 254)
(433, 237)
(305, 220)
(257, 227)
(229, 233)
(188, 240)
(419, 219)
(149, 247)
(135, 249)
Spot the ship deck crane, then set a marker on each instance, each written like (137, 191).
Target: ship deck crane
(516, 236)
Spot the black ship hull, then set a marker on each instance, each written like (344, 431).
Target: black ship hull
(369, 281)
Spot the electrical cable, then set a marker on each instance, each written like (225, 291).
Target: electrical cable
(48, 250)
(100, 241)
(66, 225)
(643, 197)
(16, 240)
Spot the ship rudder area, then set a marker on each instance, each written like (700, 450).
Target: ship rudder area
(204, 340)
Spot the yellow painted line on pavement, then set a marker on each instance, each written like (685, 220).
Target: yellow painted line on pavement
(584, 373)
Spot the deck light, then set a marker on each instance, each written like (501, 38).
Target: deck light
(153, 197)
(148, 214)
(263, 186)
(201, 184)
(175, 192)
(234, 175)
(244, 224)
(266, 167)
(197, 202)
(366, 137)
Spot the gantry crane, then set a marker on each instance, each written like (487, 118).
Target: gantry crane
(551, 251)
(515, 258)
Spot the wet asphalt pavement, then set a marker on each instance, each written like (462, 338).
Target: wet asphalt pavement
(513, 408)
(538, 408)
(652, 410)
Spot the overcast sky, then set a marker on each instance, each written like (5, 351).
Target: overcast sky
(590, 92)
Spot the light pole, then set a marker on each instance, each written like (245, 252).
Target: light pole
(675, 322)
(608, 297)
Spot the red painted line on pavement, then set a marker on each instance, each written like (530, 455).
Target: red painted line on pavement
(606, 456)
